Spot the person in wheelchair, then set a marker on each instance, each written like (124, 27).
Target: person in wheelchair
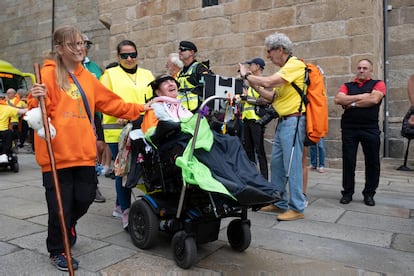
(219, 162)
(6, 134)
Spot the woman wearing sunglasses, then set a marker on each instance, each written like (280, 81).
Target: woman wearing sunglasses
(131, 83)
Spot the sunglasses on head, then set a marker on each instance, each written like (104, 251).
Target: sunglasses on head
(182, 49)
(126, 55)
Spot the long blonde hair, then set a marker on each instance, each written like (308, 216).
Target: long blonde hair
(65, 36)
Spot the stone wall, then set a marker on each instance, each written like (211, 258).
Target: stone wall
(332, 33)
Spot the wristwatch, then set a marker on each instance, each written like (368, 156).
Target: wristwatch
(353, 105)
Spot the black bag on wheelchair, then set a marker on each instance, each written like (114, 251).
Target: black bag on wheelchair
(407, 129)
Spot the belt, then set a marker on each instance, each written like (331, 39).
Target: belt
(297, 114)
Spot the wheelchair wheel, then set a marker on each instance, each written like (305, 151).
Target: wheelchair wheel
(239, 235)
(143, 225)
(184, 249)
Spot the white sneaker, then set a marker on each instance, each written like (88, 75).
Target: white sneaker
(117, 212)
(125, 217)
(306, 201)
(4, 158)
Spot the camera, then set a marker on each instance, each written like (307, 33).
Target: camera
(269, 114)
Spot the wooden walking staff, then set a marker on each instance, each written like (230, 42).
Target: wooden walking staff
(54, 172)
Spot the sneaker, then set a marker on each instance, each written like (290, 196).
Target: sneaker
(117, 212)
(61, 262)
(321, 169)
(73, 236)
(105, 170)
(99, 198)
(272, 208)
(306, 201)
(110, 174)
(290, 215)
(125, 216)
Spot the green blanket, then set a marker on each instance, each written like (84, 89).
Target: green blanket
(193, 171)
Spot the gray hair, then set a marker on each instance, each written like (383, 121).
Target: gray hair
(277, 40)
(175, 59)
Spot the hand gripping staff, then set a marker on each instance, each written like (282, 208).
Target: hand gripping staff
(54, 172)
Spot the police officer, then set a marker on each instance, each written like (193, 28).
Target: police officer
(189, 77)
(253, 133)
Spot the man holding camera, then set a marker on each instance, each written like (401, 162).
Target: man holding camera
(253, 133)
(286, 160)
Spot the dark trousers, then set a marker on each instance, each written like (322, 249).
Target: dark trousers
(253, 144)
(6, 137)
(23, 132)
(370, 142)
(78, 186)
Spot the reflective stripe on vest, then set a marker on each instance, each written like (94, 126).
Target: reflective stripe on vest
(188, 99)
(249, 109)
(112, 126)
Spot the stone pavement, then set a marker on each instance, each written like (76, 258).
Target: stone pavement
(333, 239)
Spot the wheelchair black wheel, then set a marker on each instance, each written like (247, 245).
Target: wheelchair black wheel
(239, 235)
(143, 225)
(184, 249)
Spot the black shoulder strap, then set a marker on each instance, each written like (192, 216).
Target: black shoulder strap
(302, 95)
(85, 102)
(84, 99)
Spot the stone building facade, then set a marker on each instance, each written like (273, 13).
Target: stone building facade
(332, 33)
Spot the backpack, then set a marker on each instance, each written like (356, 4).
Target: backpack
(316, 103)
(407, 130)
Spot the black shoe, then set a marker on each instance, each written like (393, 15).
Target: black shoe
(369, 201)
(110, 174)
(345, 199)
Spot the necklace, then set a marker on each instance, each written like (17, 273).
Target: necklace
(132, 79)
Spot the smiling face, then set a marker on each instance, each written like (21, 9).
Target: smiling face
(127, 56)
(72, 50)
(168, 88)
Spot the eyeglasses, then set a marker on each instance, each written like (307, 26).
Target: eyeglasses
(182, 49)
(126, 55)
(269, 50)
(75, 44)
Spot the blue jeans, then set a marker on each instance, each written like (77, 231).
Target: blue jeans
(123, 195)
(279, 163)
(316, 151)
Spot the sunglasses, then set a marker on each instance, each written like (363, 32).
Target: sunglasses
(182, 49)
(126, 55)
(88, 45)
